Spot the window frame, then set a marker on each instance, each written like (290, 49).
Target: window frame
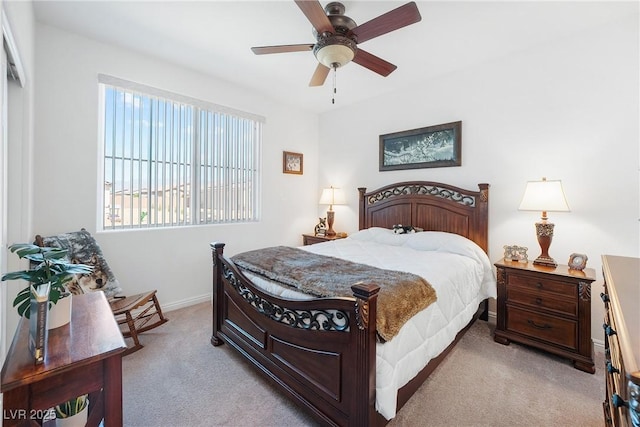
(251, 135)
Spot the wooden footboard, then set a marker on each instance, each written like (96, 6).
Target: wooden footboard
(321, 352)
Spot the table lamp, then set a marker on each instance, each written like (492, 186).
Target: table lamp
(331, 196)
(545, 196)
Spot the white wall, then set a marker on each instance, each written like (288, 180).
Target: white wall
(567, 110)
(20, 140)
(176, 261)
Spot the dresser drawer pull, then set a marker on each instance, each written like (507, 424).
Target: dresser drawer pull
(539, 285)
(604, 297)
(618, 401)
(608, 330)
(612, 369)
(539, 301)
(532, 323)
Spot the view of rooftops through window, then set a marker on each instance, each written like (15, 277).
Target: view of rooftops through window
(172, 163)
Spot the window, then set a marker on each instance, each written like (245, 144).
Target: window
(170, 160)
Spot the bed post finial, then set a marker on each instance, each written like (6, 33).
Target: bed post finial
(361, 203)
(484, 192)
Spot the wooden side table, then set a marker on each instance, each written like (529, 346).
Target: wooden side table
(83, 357)
(310, 239)
(548, 308)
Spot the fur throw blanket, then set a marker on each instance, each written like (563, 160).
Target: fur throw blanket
(401, 295)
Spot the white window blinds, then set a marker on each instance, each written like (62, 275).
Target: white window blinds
(170, 160)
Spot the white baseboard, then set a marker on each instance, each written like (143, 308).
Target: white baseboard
(598, 345)
(186, 302)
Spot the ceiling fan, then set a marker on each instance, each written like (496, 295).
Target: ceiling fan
(338, 37)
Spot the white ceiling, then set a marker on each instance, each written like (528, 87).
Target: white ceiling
(215, 37)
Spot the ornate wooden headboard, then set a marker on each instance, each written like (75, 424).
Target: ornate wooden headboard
(432, 206)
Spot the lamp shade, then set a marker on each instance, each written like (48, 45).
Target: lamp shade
(547, 196)
(332, 196)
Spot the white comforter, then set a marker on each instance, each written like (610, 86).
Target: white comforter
(458, 270)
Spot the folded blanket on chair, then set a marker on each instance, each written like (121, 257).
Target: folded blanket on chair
(401, 295)
(83, 248)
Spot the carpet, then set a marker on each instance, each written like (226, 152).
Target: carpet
(180, 379)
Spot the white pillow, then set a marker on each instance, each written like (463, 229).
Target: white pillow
(444, 242)
(367, 233)
(380, 235)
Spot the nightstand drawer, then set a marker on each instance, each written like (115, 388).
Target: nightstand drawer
(551, 329)
(537, 284)
(543, 300)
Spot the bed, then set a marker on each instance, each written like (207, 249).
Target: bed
(324, 352)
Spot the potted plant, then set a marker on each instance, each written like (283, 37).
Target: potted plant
(73, 412)
(49, 265)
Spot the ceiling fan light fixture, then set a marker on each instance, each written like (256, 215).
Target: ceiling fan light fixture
(335, 51)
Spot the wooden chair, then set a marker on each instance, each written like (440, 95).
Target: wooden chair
(135, 314)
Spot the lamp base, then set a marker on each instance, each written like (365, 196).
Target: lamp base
(546, 261)
(544, 231)
(330, 232)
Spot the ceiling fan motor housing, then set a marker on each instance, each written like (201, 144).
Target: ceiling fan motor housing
(336, 50)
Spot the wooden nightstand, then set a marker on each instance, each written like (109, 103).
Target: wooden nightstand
(548, 308)
(310, 239)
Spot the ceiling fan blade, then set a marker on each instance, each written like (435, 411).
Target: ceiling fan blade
(372, 62)
(319, 76)
(314, 12)
(397, 18)
(263, 50)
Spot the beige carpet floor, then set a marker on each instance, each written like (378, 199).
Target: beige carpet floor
(179, 379)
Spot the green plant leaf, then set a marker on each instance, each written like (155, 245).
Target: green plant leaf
(72, 407)
(51, 266)
(22, 302)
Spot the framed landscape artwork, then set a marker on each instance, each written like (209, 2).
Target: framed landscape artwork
(429, 147)
(292, 162)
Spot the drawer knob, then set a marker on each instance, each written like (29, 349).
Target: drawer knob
(608, 330)
(535, 325)
(612, 369)
(539, 285)
(604, 297)
(618, 401)
(539, 301)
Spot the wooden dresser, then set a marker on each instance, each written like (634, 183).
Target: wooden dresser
(621, 298)
(548, 308)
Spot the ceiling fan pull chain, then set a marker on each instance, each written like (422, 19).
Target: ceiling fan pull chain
(333, 99)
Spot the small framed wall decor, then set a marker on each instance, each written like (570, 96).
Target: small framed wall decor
(291, 162)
